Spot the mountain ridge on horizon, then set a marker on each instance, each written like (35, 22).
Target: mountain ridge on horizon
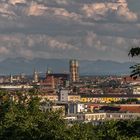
(87, 67)
(23, 58)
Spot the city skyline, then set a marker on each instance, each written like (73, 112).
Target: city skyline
(79, 29)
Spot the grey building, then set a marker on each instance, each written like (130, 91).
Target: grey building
(63, 95)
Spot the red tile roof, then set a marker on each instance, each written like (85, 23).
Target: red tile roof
(133, 109)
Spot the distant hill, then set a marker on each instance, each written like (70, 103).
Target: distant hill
(105, 67)
(99, 67)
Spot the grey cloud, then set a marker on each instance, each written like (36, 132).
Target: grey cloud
(84, 29)
(30, 46)
(101, 11)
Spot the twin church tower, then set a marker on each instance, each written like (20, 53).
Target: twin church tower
(74, 70)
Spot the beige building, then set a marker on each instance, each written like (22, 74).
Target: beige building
(52, 97)
(136, 89)
(74, 98)
(107, 116)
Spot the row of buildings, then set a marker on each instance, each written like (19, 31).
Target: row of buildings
(51, 82)
(65, 96)
(86, 98)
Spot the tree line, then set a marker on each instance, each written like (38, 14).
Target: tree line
(23, 120)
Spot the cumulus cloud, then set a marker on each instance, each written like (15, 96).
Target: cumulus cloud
(43, 10)
(92, 41)
(85, 29)
(125, 14)
(6, 11)
(4, 51)
(55, 44)
(65, 13)
(108, 47)
(36, 9)
(31, 46)
(14, 2)
(102, 10)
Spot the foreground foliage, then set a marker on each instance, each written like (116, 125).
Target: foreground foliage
(24, 120)
(135, 70)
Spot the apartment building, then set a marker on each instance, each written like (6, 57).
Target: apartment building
(107, 116)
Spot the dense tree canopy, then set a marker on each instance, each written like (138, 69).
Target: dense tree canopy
(24, 120)
(135, 70)
(134, 51)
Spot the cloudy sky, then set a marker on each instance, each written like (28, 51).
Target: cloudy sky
(81, 29)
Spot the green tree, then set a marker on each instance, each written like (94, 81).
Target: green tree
(25, 120)
(134, 51)
(135, 70)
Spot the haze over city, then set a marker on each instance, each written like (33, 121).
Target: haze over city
(80, 29)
